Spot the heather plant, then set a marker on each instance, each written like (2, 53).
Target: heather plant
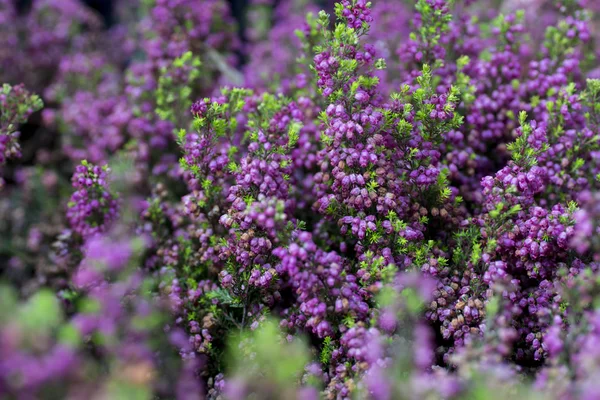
(356, 205)
(275, 34)
(41, 37)
(17, 105)
(102, 336)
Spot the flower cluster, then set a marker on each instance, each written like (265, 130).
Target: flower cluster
(16, 106)
(92, 206)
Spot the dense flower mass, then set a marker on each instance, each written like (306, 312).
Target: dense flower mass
(230, 200)
(92, 206)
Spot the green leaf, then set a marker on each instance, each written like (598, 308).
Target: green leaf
(42, 312)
